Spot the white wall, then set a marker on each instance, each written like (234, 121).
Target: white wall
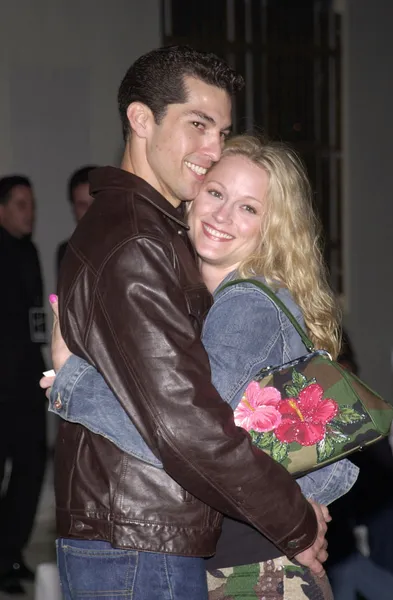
(368, 151)
(61, 62)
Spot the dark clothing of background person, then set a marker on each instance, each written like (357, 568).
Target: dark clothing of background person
(22, 402)
(369, 502)
(61, 250)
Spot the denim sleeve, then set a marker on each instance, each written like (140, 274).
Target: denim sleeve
(81, 395)
(329, 483)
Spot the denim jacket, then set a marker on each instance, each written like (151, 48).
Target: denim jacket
(243, 332)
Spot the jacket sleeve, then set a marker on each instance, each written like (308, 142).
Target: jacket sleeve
(140, 337)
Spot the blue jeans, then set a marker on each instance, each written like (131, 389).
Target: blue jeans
(94, 570)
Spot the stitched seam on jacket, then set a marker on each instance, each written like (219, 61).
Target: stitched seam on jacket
(125, 358)
(81, 374)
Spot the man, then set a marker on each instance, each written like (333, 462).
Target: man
(80, 200)
(22, 403)
(132, 302)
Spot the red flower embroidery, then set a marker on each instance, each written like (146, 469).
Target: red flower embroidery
(257, 410)
(304, 418)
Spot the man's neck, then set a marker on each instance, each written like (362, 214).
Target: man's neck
(134, 161)
(126, 161)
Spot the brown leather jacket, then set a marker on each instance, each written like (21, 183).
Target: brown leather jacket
(132, 303)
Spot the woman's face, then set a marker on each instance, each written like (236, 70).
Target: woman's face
(225, 218)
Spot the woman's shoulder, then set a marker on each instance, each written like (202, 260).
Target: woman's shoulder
(241, 297)
(241, 290)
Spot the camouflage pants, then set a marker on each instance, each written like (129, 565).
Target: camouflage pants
(279, 579)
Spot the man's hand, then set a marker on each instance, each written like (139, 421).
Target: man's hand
(314, 556)
(60, 352)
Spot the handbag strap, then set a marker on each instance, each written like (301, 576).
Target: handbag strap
(306, 341)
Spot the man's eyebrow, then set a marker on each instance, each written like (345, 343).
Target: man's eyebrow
(201, 115)
(208, 118)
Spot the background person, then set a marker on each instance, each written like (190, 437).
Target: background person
(22, 403)
(80, 200)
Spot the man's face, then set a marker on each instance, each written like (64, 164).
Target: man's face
(81, 200)
(188, 140)
(17, 215)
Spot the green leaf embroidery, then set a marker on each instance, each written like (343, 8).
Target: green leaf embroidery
(291, 391)
(262, 440)
(337, 435)
(265, 439)
(299, 380)
(279, 450)
(347, 415)
(325, 448)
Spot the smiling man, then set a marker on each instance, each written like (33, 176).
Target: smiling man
(132, 303)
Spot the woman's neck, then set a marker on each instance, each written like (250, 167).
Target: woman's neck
(213, 275)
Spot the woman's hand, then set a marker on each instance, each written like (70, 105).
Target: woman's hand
(60, 352)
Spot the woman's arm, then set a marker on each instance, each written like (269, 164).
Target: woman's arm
(236, 353)
(80, 394)
(238, 348)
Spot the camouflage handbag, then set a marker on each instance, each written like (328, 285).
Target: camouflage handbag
(310, 412)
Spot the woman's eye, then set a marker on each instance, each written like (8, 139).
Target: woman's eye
(250, 209)
(215, 193)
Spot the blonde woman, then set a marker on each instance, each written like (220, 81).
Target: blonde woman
(252, 217)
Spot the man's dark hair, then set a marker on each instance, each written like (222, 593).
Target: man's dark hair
(8, 183)
(77, 178)
(157, 79)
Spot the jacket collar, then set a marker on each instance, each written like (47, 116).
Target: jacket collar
(106, 178)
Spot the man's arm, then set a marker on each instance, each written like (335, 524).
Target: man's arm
(87, 399)
(140, 337)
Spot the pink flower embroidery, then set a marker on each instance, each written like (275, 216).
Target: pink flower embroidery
(258, 408)
(304, 418)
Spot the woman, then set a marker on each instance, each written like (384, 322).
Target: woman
(252, 217)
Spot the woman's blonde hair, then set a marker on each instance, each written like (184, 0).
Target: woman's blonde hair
(289, 252)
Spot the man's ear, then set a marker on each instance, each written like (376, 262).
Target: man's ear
(139, 117)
